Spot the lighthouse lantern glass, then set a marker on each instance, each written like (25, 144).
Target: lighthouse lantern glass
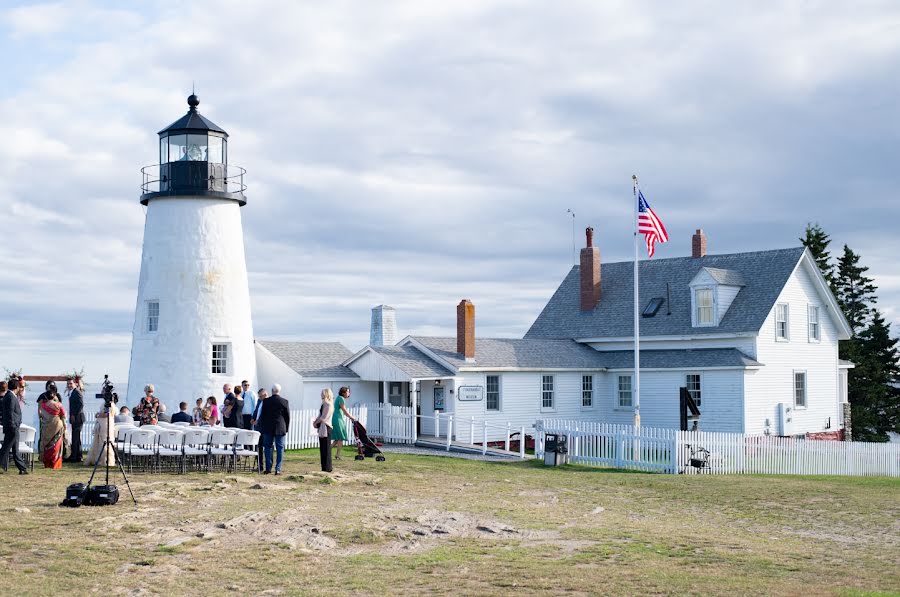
(216, 149)
(177, 148)
(197, 148)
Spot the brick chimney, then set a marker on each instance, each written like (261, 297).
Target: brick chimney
(590, 273)
(465, 329)
(698, 244)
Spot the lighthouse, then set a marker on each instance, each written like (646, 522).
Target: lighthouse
(192, 328)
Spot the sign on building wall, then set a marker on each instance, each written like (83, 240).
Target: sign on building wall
(439, 398)
(470, 393)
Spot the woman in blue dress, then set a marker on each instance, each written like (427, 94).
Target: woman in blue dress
(338, 425)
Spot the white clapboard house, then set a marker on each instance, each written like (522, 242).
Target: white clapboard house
(752, 336)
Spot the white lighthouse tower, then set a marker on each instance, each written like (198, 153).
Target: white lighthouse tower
(192, 329)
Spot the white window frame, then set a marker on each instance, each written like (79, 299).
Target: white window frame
(214, 359)
(619, 392)
(695, 299)
(805, 388)
(812, 319)
(151, 317)
(548, 388)
(587, 391)
(488, 392)
(786, 321)
(697, 399)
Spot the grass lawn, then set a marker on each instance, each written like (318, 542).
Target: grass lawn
(422, 524)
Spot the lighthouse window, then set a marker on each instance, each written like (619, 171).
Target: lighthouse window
(197, 148)
(177, 148)
(220, 358)
(164, 150)
(152, 316)
(215, 150)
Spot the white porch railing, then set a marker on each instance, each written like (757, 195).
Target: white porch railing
(474, 429)
(670, 451)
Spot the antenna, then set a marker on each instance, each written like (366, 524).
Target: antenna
(574, 249)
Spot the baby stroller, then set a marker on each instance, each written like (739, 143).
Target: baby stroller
(364, 444)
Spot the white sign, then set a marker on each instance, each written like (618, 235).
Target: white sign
(470, 393)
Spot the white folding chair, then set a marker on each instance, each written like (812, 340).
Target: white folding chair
(182, 424)
(194, 446)
(139, 445)
(221, 445)
(247, 446)
(167, 444)
(26, 443)
(122, 432)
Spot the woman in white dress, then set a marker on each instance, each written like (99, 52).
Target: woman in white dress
(100, 428)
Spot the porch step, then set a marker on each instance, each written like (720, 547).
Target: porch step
(441, 444)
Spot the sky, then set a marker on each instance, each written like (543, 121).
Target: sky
(417, 153)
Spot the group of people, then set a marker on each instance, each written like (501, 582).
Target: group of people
(54, 445)
(241, 408)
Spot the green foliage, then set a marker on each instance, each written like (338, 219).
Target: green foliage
(855, 291)
(816, 240)
(874, 397)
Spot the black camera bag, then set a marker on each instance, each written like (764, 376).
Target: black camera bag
(74, 495)
(102, 495)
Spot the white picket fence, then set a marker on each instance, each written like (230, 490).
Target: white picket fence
(671, 451)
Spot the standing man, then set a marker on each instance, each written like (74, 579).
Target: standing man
(10, 419)
(249, 405)
(276, 417)
(256, 424)
(229, 407)
(76, 417)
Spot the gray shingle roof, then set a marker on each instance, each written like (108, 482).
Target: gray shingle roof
(764, 274)
(512, 352)
(678, 359)
(726, 276)
(412, 361)
(312, 359)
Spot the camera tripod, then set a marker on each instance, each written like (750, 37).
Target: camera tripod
(103, 453)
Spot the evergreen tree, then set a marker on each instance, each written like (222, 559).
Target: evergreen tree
(874, 395)
(854, 291)
(817, 241)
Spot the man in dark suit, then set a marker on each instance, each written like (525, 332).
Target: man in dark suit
(10, 419)
(229, 407)
(76, 418)
(182, 416)
(274, 422)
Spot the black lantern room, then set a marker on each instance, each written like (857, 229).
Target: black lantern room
(193, 160)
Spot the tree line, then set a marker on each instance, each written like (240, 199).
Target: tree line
(874, 382)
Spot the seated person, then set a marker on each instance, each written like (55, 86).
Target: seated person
(161, 415)
(124, 416)
(182, 416)
(205, 416)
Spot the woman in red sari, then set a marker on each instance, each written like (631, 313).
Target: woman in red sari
(53, 430)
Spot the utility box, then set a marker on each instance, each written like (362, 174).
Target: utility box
(785, 419)
(556, 449)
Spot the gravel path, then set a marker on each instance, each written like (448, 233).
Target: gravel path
(435, 452)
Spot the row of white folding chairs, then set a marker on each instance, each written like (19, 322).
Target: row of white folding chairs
(151, 445)
(27, 435)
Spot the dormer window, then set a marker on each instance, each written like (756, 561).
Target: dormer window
(703, 301)
(712, 292)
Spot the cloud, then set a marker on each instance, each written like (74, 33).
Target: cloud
(418, 153)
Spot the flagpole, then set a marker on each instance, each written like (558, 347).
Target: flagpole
(637, 328)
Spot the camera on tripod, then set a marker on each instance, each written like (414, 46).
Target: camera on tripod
(107, 394)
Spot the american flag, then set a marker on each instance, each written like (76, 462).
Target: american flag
(649, 225)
